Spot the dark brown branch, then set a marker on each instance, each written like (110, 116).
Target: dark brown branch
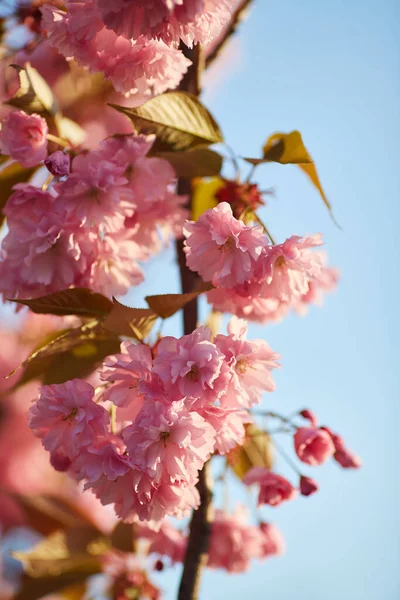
(200, 525)
(234, 23)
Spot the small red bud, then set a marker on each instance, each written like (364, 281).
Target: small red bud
(308, 486)
(159, 565)
(309, 415)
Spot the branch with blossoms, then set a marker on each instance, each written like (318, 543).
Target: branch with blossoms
(106, 157)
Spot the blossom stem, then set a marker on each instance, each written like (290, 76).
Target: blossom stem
(265, 229)
(200, 524)
(287, 458)
(58, 140)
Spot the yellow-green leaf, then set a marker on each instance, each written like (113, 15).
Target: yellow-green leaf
(36, 588)
(33, 95)
(197, 162)
(130, 322)
(70, 130)
(179, 120)
(256, 451)
(77, 301)
(203, 195)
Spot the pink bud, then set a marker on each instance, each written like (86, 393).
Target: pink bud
(308, 486)
(58, 163)
(159, 565)
(60, 462)
(309, 415)
(346, 459)
(313, 446)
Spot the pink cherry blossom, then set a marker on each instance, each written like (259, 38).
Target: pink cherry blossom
(139, 66)
(289, 267)
(313, 446)
(234, 543)
(192, 366)
(125, 371)
(228, 424)
(66, 418)
(58, 163)
(273, 541)
(222, 249)
(24, 138)
(251, 363)
(101, 460)
(169, 442)
(343, 456)
(193, 21)
(308, 486)
(246, 304)
(166, 541)
(274, 489)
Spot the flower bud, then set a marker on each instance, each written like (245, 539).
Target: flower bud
(58, 163)
(308, 486)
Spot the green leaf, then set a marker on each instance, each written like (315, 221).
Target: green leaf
(130, 322)
(73, 353)
(179, 120)
(10, 175)
(256, 451)
(197, 162)
(33, 95)
(76, 301)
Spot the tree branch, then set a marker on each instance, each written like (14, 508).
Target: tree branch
(235, 21)
(200, 525)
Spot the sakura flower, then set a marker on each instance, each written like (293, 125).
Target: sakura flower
(66, 418)
(171, 20)
(166, 541)
(58, 163)
(222, 249)
(273, 543)
(289, 267)
(313, 446)
(326, 281)
(125, 371)
(138, 66)
(308, 486)
(274, 489)
(24, 138)
(234, 543)
(246, 304)
(169, 442)
(251, 363)
(343, 456)
(101, 460)
(191, 366)
(228, 424)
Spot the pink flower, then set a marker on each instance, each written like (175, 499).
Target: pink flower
(66, 418)
(101, 460)
(274, 489)
(139, 66)
(58, 163)
(234, 543)
(125, 371)
(251, 363)
(167, 541)
(169, 442)
(308, 486)
(96, 192)
(325, 281)
(24, 138)
(273, 542)
(222, 249)
(171, 20)
(191, 366)
(246, 304)
(313, 446)
(228, 424)
(289, 267)
(342, 455)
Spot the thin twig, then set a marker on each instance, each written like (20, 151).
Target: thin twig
(235, 21)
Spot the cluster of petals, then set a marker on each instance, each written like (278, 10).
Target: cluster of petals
(89, 228)
(254, 279)
(235, 543)
(313, 446)
(134, 66)
(23, 137)
(166, 541)
(274, 489)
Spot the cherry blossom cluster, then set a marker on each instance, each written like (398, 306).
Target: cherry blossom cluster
(135, 44)
(177, 404)
(104, 212)
(252, 278)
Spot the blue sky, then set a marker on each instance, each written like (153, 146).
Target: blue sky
(331, 70)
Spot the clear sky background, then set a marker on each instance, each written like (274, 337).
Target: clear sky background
(330, 69)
